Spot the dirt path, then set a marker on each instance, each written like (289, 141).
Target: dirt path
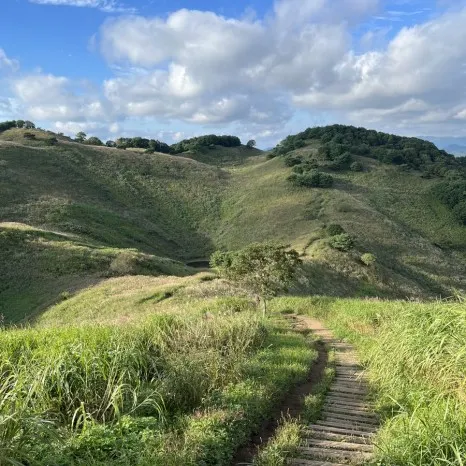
(344, 434)
(293, 404)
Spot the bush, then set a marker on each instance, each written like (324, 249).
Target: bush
(312, 179)
(343, 242)
(356, 167)
(335, 229)
(368, 259)
(51, 141)
(29, 136)
(291, 161)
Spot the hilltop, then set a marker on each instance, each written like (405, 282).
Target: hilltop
(69, 209)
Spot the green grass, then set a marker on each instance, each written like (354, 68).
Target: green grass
(169, 390)
(416, 360)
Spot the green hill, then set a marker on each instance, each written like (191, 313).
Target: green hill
(80, 207)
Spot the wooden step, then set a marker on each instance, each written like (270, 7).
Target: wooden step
(352, 412)
(339, 431)
(303, 462)
(351, 438)
(347, 425)
(350, 418)
(334, 454)
(331, 444)
(344, 389)
(348, 404)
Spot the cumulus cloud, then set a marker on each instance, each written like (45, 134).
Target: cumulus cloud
(48, 97)
(108, 6)
(202, 68)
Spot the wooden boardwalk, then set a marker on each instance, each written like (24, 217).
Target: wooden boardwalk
(344, 434)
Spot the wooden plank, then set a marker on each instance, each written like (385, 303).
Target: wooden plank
(333, 454)
(331, 444)
(339, 430)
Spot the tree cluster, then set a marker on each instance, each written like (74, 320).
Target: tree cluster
(201, 142)
(6, 125)
(151, 145)
(312, 179)
(341, 142)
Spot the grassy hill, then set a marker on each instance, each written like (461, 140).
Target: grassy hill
(80, 207)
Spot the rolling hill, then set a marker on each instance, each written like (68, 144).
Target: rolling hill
(74, 215)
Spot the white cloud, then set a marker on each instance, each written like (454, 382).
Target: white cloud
(6, 63)
(204, 69)
(48, 97)
(108, 6)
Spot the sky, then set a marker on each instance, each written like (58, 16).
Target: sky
(259, 69)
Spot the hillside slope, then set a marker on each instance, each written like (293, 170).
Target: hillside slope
(106, 200)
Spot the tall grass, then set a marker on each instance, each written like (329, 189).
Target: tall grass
(73, 379)
(416, 359)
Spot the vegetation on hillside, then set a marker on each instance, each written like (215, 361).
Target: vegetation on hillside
(200, 142)
(339, 142)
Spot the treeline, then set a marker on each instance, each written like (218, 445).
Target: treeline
(340, 142)
(198, 143)
(6, 125)
(152, 145)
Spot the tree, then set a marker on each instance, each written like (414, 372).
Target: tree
(110, 143)
(251, 143)
(94, 141)
(80, 137)
(29, 125)
(263, 268)
(20, 123)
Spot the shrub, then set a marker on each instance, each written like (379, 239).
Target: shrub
(312, 179)
(343, 242)
(29, 136)
(368, 259)
(51, 141)
(356, 167)
(291, 161)
(335, 229)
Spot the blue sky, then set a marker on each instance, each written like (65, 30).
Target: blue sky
(257, 68)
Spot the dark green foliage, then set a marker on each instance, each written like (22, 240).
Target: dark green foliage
(29, 136)
(150, 145)
(110, 143)
(343, 242)
(265, 269)
(356, 167)
(339, 139)
(453, 194)
(198, 143)
(251, 143)
(94, 141)
(291, 161)
(6, 125)
(335, 229)
(51, 141)
(80, 137)
(312, 179)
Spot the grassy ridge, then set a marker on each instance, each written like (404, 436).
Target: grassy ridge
(416, 359)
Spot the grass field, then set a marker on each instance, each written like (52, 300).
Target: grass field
(172, 389)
